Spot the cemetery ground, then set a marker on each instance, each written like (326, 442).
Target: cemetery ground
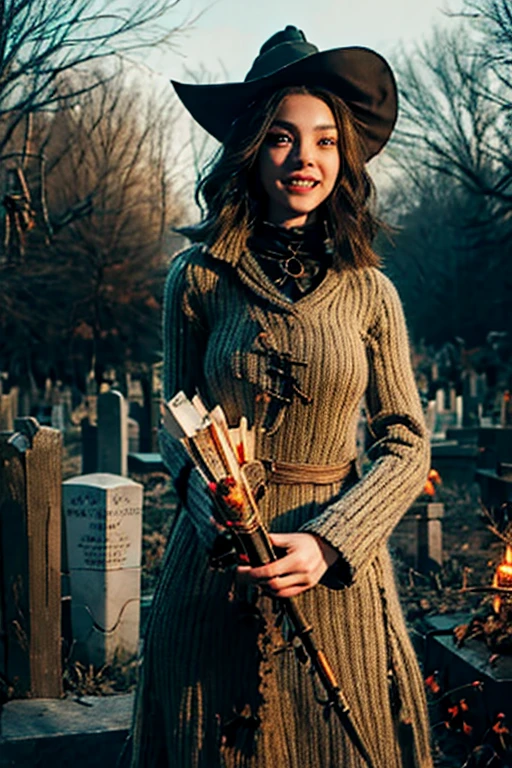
(471, 554)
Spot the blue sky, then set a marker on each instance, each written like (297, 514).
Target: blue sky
(228, 33)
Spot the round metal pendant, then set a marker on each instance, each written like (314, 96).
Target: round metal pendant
(293, 267)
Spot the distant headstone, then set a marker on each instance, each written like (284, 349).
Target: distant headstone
(133, 435)
(418, 537)
(430, 416)
(57, 410)
(141, 416)
(89, 447)
(15, 401)
(6, 413)
(446, 410)
(30, 559)
(67, 402)
(470, 403)
(103, 514)
(459, 409)
(135, 393)
(112, 433)
(440, 400)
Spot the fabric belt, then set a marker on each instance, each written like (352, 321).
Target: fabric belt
(286, 472)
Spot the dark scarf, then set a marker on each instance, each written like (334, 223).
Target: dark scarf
(295, 259)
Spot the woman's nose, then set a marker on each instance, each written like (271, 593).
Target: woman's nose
(304, 153)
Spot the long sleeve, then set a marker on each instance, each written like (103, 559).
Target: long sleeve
(363, 518)
(184, 337)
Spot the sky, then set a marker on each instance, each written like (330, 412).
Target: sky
(226, 35)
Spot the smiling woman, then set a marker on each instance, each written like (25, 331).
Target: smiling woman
(299, 161)
(278, 313)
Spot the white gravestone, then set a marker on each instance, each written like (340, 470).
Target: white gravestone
(103, 518)
(112, 433)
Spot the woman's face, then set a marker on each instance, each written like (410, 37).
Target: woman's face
(299, 161)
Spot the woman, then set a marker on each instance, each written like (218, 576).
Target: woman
(279, 313)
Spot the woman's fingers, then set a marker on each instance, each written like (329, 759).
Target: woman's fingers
(290, 563)
(306, 560)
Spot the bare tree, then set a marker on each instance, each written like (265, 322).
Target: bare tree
(91, 292)
(494, 18)
(453, 200)
(40, 40)
(451, 118)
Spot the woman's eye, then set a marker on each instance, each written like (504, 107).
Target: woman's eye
(278, 139)
(328, 141)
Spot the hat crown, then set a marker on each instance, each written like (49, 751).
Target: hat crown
(287, 35)
(285, 47)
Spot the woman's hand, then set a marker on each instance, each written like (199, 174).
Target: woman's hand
(306, 560)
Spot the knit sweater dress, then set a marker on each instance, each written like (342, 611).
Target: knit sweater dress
(220, 686)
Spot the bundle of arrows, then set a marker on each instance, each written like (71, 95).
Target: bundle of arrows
(225, 458)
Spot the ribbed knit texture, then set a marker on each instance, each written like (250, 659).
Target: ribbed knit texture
(219, 687)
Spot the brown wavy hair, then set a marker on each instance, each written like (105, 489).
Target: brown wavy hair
(229, 193)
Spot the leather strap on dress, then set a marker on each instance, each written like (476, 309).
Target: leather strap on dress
(286, 472)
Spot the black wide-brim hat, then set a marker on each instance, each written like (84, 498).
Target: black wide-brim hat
(361, 77)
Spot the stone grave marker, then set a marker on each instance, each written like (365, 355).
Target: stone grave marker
(418, 536)
(470, 405)
(112, 433)
(6, 413)
(430, 416)
(14, 392)
(89, 434)
(446, 410)
(30, 559)
(103, 514)
(141, 416)
(57, 410)
(135, 392)
(133, 435)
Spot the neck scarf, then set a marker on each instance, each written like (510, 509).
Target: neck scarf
(295, 259)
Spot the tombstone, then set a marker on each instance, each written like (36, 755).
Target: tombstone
(133, 435)
(67, 402)
(459, 408)
(15, 401)
(103, 514)
(6, 413)
(112, 433)
(430, 416)
(418, 537)
(57, 409)
(140, 414)
(89, 434)
(440, 400)
(446, 410)
(470, 410)
(30, 559)
(135, 393)
(24, 402)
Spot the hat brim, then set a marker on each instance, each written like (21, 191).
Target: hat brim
(359, 76)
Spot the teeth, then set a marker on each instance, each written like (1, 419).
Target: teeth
(301, 183)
